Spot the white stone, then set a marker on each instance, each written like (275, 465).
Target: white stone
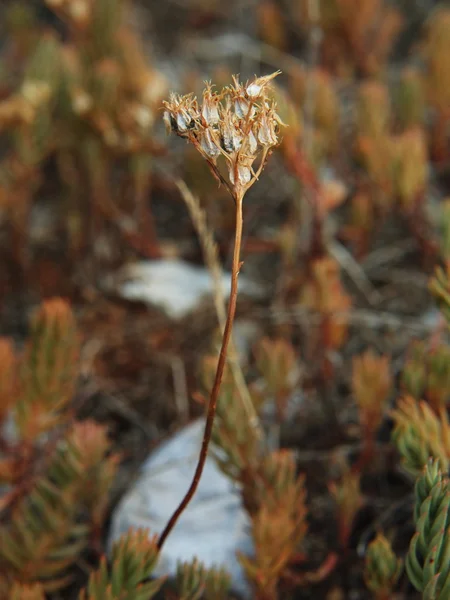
(213, 527)
(176, 285)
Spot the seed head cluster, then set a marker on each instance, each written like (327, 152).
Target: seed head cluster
(240, 123)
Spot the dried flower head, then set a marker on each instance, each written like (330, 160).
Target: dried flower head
(240, 124)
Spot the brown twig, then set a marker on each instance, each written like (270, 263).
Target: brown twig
(218, 378)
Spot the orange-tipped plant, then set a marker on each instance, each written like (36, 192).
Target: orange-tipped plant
(277, 362)
(420, 433)
(278, 526)
(56, 472)
(371, 385)
(349, 500)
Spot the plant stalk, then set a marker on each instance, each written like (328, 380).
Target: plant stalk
(212, 404)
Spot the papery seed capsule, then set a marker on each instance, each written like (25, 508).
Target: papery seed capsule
(167, 118)
(255, 88)
(227, 140)
(208, 144)
(242, 107)
(252, 142)
(237, 138)
(243, 172)
(210, 106)
(266, 132)
(231, 136)
(183, 119)
(210, 113)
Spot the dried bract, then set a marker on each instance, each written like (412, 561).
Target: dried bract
(239, 123)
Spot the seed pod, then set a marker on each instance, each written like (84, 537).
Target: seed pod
(208, 143)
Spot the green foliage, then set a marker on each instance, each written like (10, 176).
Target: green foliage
(382, 568)
(445, 230)
(272, 491)
(428, 559)
(48, 371)
(88, 102)
(134, 556)
(58, 471)
(410, 98)
(193, 582)
(419, 433)
(440, 288)
(426, 373)
(43, 537)
(236, 444)
(371, 385)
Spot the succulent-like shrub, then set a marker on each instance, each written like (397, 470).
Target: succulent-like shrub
(56, 472)
(382, 568)
(428, 559)
(88, 103)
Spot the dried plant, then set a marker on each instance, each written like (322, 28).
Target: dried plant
(382, 568)
(211, 255)
(237, 126)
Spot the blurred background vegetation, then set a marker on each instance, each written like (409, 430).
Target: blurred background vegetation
(347, 234)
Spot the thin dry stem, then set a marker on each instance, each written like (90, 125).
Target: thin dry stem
(218, 378)
(240, 125)
(212, 260)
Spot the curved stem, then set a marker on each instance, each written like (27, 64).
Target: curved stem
(218, 377)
